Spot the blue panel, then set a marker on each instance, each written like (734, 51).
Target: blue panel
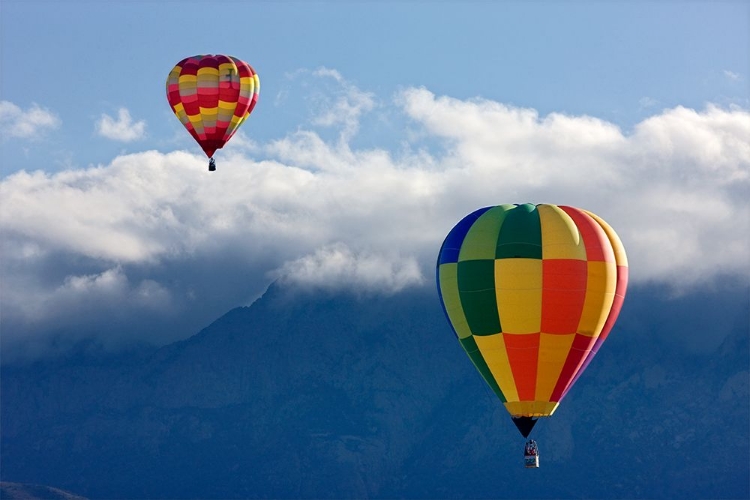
(452, 244)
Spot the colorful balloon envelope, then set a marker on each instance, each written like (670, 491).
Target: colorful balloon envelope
(531, 292)
(212, 95)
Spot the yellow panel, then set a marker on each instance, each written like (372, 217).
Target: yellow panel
(518, 288)
(620, 257)
(553, 351)
(600, 293)
(560, 236)
(531, 408)
(208, 70)
(229, 106)
(248, 90)
(451, 300)
(178, 108)
(195, 119)
(495, 355)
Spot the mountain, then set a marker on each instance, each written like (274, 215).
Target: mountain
(338, 395)
(15, 491)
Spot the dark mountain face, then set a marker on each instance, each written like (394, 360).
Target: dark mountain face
(15, 491)
(337, 396)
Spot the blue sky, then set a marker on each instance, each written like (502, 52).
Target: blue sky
(619, 61)
(379, 125)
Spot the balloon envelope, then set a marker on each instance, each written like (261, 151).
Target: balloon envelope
(212, 95)
(531, 292)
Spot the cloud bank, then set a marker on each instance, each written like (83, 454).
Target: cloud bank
(336, 266)
(151, 246)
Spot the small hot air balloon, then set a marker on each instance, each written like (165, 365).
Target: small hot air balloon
(212, 95)
(531, 292)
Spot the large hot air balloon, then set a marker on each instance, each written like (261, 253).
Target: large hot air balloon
(531, 292)
(212, 95)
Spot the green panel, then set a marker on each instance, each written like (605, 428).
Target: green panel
(521, 234)
(476, 285)
(470, 346)
(481, 240)
(448, 277)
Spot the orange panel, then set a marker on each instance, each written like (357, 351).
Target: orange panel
(523, 354)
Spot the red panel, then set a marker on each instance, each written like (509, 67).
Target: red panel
(173, 94)
(190, 103)
(622, 284)
(563, 294)
(579, 350)
(523, 356)
(229, 91)
(598, 247)
(191, 129)
(208, 93)
(189, 66)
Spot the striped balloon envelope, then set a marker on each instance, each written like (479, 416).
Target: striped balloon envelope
(531, 292)
(212, 95)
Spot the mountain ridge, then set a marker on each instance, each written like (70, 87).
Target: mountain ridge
(337, 395)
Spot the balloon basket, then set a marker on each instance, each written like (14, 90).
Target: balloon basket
(531, 461)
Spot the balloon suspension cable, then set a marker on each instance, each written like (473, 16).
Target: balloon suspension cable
(211, 164)
(525, 424)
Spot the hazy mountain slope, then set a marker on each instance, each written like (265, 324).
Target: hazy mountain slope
(336, 396)
(16, 491)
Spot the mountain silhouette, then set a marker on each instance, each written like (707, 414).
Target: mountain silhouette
(16, 491)
(322, 394)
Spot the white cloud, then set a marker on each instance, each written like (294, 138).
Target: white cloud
(337, 266)
(647, 102)
(327, 101)
(343, 105)
(30, 123)
(122, 128)
(731, 75)
(110, 288)
(110, 281)
(154, 228)
(677, 190)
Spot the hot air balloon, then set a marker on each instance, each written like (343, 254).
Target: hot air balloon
(531, 292)
(212, 95)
